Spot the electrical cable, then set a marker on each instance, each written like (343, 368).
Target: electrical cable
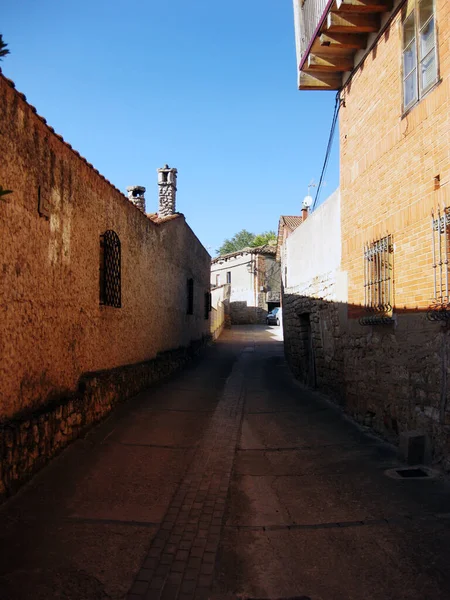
(337, 106)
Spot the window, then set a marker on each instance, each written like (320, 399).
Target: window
(110, 284)
(217, 280)
(419, 50)
(228, 276)
(208, 304)
(441, 253)
(190, 297)
(378, 281)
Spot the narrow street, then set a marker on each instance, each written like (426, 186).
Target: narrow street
(229, 480)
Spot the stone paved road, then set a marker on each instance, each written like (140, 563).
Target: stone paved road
(227, 481)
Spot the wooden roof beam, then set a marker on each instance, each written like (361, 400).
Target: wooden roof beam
(362, 6)
(352, 23)
(320, 81)
(343, 41)
(329, 63)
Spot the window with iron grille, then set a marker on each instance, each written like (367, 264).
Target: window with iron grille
(110, 276)
(228, 276)
(419, 51)
(378, 278)
(440, 232)
(190, 297)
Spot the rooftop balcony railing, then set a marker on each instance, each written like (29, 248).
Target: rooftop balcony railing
(329, 33)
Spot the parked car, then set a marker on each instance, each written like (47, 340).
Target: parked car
(274, 317)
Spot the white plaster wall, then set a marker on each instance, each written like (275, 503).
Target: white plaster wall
(312, 254)
(242, 282)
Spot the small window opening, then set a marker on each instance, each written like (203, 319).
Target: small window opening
(207, 304)
(110, 273)
(190, 296)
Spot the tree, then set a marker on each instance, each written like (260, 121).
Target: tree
(240, 240)
(267, 237)
(3, 49)
(245, 239)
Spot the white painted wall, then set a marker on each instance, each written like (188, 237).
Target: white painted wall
(242, 282)
(312, 255)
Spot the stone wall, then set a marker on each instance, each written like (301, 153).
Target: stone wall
(220, 309)
(393, 378)
(54, 329)
(30, 439)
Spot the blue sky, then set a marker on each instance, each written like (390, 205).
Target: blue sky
(208, 87)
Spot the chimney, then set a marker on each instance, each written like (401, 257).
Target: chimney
(136, 196)
(307, 201)
(167, 182)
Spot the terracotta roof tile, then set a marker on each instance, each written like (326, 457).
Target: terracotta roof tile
(292, 222)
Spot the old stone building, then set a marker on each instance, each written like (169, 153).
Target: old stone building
(98, 299)
(254, 278)
(390, 64)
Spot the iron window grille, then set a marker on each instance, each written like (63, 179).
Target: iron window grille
(228, 276)
(110, 265)
(190, 297)
(378, 281)
(440, 236)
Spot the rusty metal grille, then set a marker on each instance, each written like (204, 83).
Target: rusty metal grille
(110, 275)
(439, 309)
(378, 281)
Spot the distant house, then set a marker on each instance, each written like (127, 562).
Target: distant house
(286, 226)
(254, 278)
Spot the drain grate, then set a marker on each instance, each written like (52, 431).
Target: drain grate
(412, 473)
(417, 472)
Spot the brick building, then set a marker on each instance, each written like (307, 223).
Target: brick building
(390, 65)
(98, 299)
(254, 278)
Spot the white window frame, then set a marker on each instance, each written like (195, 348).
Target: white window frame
(415, 43)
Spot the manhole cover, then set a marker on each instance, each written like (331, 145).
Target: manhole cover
(411, 473)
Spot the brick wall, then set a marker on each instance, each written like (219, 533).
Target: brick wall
(389, 162)
(396, 375)
(392, 377)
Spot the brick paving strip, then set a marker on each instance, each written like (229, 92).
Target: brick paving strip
(180, 562)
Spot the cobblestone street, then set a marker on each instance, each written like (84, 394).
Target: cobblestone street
(229, 480)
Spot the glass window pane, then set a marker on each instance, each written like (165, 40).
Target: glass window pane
(427, 38)
(428, 71)
(408, 30)
(425, 11)
(410, 89)
(409, 60)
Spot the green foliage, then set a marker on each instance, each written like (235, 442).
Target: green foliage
(245, 239)
(4, 192)
(3, 49)
(240, 240)
(267, 237)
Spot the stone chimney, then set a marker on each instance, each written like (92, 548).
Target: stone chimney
(167, 182)
(136, 196)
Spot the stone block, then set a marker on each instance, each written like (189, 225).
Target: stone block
(415, 448)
